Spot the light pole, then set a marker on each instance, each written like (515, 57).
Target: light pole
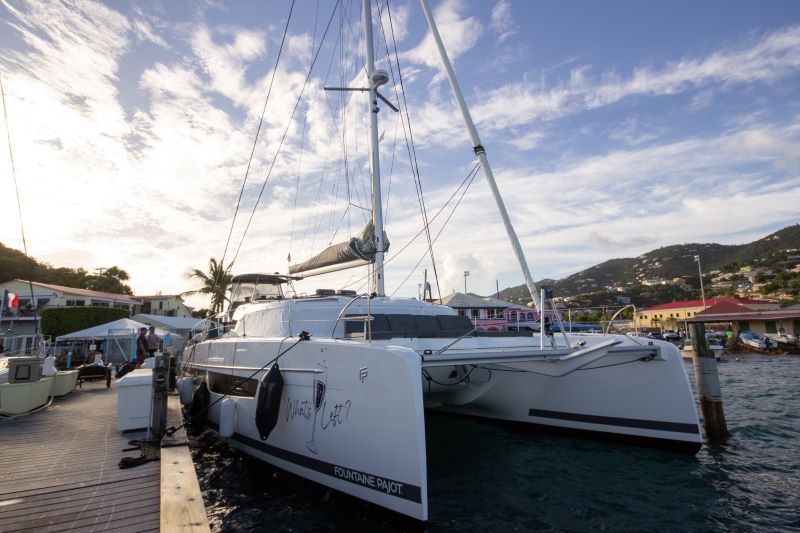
(700, 271)
(466, 273)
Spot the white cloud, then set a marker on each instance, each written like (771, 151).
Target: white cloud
(519, 103)
(459, 35)
(153, 189)
(502, 21)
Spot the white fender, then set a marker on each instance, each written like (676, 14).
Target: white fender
(186, 388)
(227, 418)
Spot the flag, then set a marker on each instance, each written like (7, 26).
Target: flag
(10, 300)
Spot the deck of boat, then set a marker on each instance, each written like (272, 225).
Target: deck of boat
(58, 469)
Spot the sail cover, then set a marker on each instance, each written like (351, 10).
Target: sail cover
(362, 247)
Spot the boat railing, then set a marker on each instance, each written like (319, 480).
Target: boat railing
(366, 319)
(19, 345)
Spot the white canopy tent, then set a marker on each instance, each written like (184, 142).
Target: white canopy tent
(120, 336)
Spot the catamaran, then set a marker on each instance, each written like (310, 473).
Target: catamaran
(334, 387)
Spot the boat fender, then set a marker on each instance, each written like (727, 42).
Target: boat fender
(268, 401)
(198, 407)
(227, 418)
(186, 389)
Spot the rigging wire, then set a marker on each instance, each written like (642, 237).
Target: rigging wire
(444, 225)
(467, 181)
(285, 133)
(412, 148)
(19, 209)
(302, 146)
(255, 140)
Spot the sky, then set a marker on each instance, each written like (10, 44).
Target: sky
(613, 128)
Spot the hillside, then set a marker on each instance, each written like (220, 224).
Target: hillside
(676, 261)
(16, 265)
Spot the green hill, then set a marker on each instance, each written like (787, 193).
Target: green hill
(669, 262)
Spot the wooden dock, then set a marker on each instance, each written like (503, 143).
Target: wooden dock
(59, 472)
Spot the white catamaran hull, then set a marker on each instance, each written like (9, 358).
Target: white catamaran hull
(367, 438)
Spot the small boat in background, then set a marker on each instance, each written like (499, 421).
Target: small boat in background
(756, 343)
(713, 344)
(783, 340)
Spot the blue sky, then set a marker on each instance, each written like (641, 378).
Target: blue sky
(613, 127)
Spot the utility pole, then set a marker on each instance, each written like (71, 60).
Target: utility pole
(466, 273)
(702, 290)
(497, 285)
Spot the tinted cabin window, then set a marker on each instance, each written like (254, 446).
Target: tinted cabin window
(402, 325)
(455, 325)
(355, 328)
(427, 326)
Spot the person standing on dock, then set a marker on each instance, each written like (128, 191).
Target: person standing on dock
(153, 341)
(141, 347)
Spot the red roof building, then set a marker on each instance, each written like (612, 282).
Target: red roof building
(670, 315)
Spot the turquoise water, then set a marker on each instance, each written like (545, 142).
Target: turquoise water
(491, 477)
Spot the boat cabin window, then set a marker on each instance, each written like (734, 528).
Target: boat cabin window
(388, 326)
(254, 291)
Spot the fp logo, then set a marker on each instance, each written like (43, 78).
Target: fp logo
(362, 373)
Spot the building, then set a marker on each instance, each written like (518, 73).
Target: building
(165, 305)
(490, 313)
(746, 318)
(24, 321)
(660, 315)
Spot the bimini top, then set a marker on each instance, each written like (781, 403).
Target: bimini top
(267, 279)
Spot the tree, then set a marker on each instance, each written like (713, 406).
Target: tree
(215, 284)
(110, 279)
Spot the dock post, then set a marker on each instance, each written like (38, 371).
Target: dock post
(160, 381)
(708, 389)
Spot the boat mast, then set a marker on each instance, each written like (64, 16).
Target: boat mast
(480, 152)
(374, 79)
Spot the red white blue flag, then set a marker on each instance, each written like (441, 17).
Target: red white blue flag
(10, 300)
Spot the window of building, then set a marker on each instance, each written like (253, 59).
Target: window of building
(41, 303)
(475, 313)
(75, 303)
(744, 325)
(462, 312)
(770, 327)
(161, 305)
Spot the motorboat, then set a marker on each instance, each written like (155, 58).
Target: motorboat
(783, 340)
(714, 344)
(751, 341)
(334, 386)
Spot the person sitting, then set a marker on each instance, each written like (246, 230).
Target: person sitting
(99, 358)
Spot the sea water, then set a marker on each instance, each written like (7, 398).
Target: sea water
(492, 477)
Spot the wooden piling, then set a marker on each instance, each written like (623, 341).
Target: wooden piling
(707, 382)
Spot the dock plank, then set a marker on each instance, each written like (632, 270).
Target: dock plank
(182, 507)
(58, 469)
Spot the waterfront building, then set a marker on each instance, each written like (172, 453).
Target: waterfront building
(25, 319)
(165, 305)
(740, 317)
(672, 313)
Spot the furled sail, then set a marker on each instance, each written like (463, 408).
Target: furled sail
(361, 248)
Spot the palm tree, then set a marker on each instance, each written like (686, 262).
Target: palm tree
(215, 283)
